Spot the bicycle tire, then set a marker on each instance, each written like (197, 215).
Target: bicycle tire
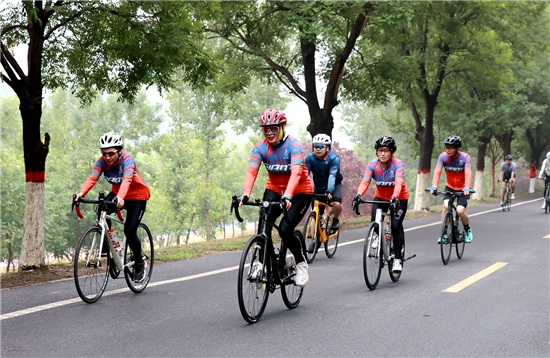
(253, 293)
(292, 294)
(446, 245)
(91, 275)
(460, 240)
(547, 203)
(504, 200)
(331, 245)
(148, 255)
(372, 262)
(396, 276)
(309, 239)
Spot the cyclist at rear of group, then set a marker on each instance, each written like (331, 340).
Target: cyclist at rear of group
(507, 172)
(388, 174)
(458, 168)
(324, 166)
(131, 192)
(288, 182)
(545, 170)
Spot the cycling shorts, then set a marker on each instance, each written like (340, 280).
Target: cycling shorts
(336, 195)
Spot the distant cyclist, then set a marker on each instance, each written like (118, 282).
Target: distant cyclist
(324, 166)
(288, 182)
(545, 174)
(388, 174)
(507, 172)
(131, 192)
(458, 168)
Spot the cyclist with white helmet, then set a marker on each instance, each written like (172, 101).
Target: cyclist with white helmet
(507, 172)
(324, 166)
(131, 192)
(288, 181)
(458, 169)
(388, 173)
(545, 169)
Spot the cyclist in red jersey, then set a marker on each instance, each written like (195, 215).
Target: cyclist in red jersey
(129, 189)
(288, 181)
(388, 174)
(458, 168)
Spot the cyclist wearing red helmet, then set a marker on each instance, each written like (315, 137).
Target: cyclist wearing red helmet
(283, 158)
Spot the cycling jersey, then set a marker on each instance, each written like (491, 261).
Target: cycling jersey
(125, 177)
(457, 169)
(545, 168)
(508, 169)
(389, 182)
(326, 171)
(285, 166)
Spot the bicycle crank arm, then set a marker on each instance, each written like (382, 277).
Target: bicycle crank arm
(410, 257)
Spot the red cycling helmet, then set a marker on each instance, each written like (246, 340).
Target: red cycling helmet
(272, 117)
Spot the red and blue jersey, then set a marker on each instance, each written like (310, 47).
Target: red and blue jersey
(457, 169)
(389, 181)
(285, 166)
(125, 177)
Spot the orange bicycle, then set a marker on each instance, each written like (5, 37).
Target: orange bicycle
(317, 230)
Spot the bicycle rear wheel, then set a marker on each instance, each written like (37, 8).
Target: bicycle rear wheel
(148, 256)
(253, 286)
(331, 244)
(459, 235)
(547, 202)
(311, 240)
(91, 268)
(372, 260)
(446, 242)
(292, 294)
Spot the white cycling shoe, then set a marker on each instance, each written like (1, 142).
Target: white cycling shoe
(302, 276)
(397, 267)
(257, 271)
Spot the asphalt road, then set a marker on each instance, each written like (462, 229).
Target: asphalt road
(196, 314)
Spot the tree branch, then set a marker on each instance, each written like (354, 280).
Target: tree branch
(9, 28)
(416, 116)
(287, 74)
(7, 57)
(289, 88)
(62, 23)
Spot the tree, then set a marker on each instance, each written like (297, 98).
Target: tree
(280, 41)
(93, 47)
(430, 51)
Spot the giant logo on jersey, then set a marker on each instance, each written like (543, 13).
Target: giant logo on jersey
(277, 167)
(455, 169)
(384, 183)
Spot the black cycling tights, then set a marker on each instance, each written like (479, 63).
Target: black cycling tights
(134, 213)
(396, 224)
(300, 203)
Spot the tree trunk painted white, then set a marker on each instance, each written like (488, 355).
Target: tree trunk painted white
(422, 199)
(478, 185)
(32, 247)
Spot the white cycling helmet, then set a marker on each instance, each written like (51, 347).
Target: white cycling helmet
(323, 139)
(548, 155)
(109, 140)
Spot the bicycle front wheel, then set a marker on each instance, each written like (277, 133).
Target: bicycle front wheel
(372, 260)
(292, 294)
(311, 240)
(91, 267)
(504, 200)
(254, 280)
(148, 256)
(446, 238)
(331, 244)
(459, 234)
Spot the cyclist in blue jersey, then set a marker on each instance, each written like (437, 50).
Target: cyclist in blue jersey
(324, 166)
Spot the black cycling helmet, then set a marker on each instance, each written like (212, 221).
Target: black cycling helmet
(385, 142)
(508, 157)
(453, 140)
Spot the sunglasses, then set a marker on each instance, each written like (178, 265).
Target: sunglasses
(109, 154)
(318, 146)
(270, 130)
(381, 151)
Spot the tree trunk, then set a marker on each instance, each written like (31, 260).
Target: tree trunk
(480, 168)
(424, 136)
(505, 141)
(32, 247)
(189, 229)
(537, 144)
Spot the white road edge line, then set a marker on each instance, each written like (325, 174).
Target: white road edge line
(200, 275)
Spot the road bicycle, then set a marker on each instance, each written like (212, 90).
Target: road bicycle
(317, 230)
(506, 195)
(452, 228)
(262, 270)
(99, 253)
(547, 196)
(378, 253)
